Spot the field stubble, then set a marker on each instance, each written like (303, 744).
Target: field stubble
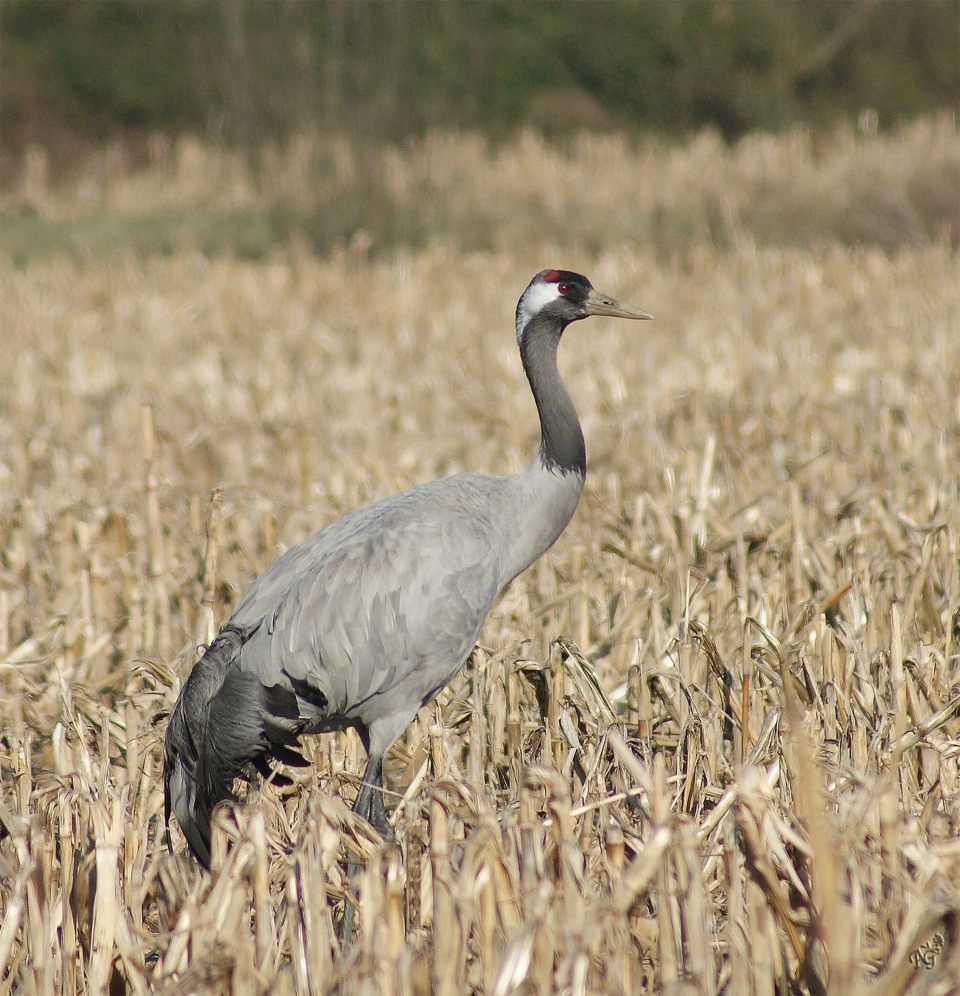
(708, 743)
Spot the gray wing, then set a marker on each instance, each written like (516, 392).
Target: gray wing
(377, 612)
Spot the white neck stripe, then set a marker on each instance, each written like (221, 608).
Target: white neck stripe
(535, 298)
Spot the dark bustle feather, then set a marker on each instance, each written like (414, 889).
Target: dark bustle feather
(224, 726)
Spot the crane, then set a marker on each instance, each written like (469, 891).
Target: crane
(367, 620)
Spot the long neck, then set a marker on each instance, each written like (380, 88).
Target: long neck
(561, 439)
(544, 497)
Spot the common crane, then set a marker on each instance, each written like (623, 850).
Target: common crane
(367, 620)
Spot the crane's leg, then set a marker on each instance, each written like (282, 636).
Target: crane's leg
(369, 802)
(369, 805)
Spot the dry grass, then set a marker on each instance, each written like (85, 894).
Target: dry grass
(708, 744)
(854, 186)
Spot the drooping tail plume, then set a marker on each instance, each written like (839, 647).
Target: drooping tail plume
(224, 725)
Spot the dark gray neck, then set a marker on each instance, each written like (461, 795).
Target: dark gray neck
(561, 440)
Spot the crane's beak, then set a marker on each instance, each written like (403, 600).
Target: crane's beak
(602, 304)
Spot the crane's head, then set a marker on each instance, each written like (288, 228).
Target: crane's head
(560, 297)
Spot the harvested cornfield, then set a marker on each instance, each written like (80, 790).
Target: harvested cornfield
(710, 743)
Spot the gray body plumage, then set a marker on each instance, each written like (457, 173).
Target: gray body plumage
(390, 599)
(362, 623)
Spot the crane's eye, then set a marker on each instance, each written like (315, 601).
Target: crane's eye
(563, 288)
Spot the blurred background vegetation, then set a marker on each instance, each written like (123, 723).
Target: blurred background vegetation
(238, 125)
(74, 72)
